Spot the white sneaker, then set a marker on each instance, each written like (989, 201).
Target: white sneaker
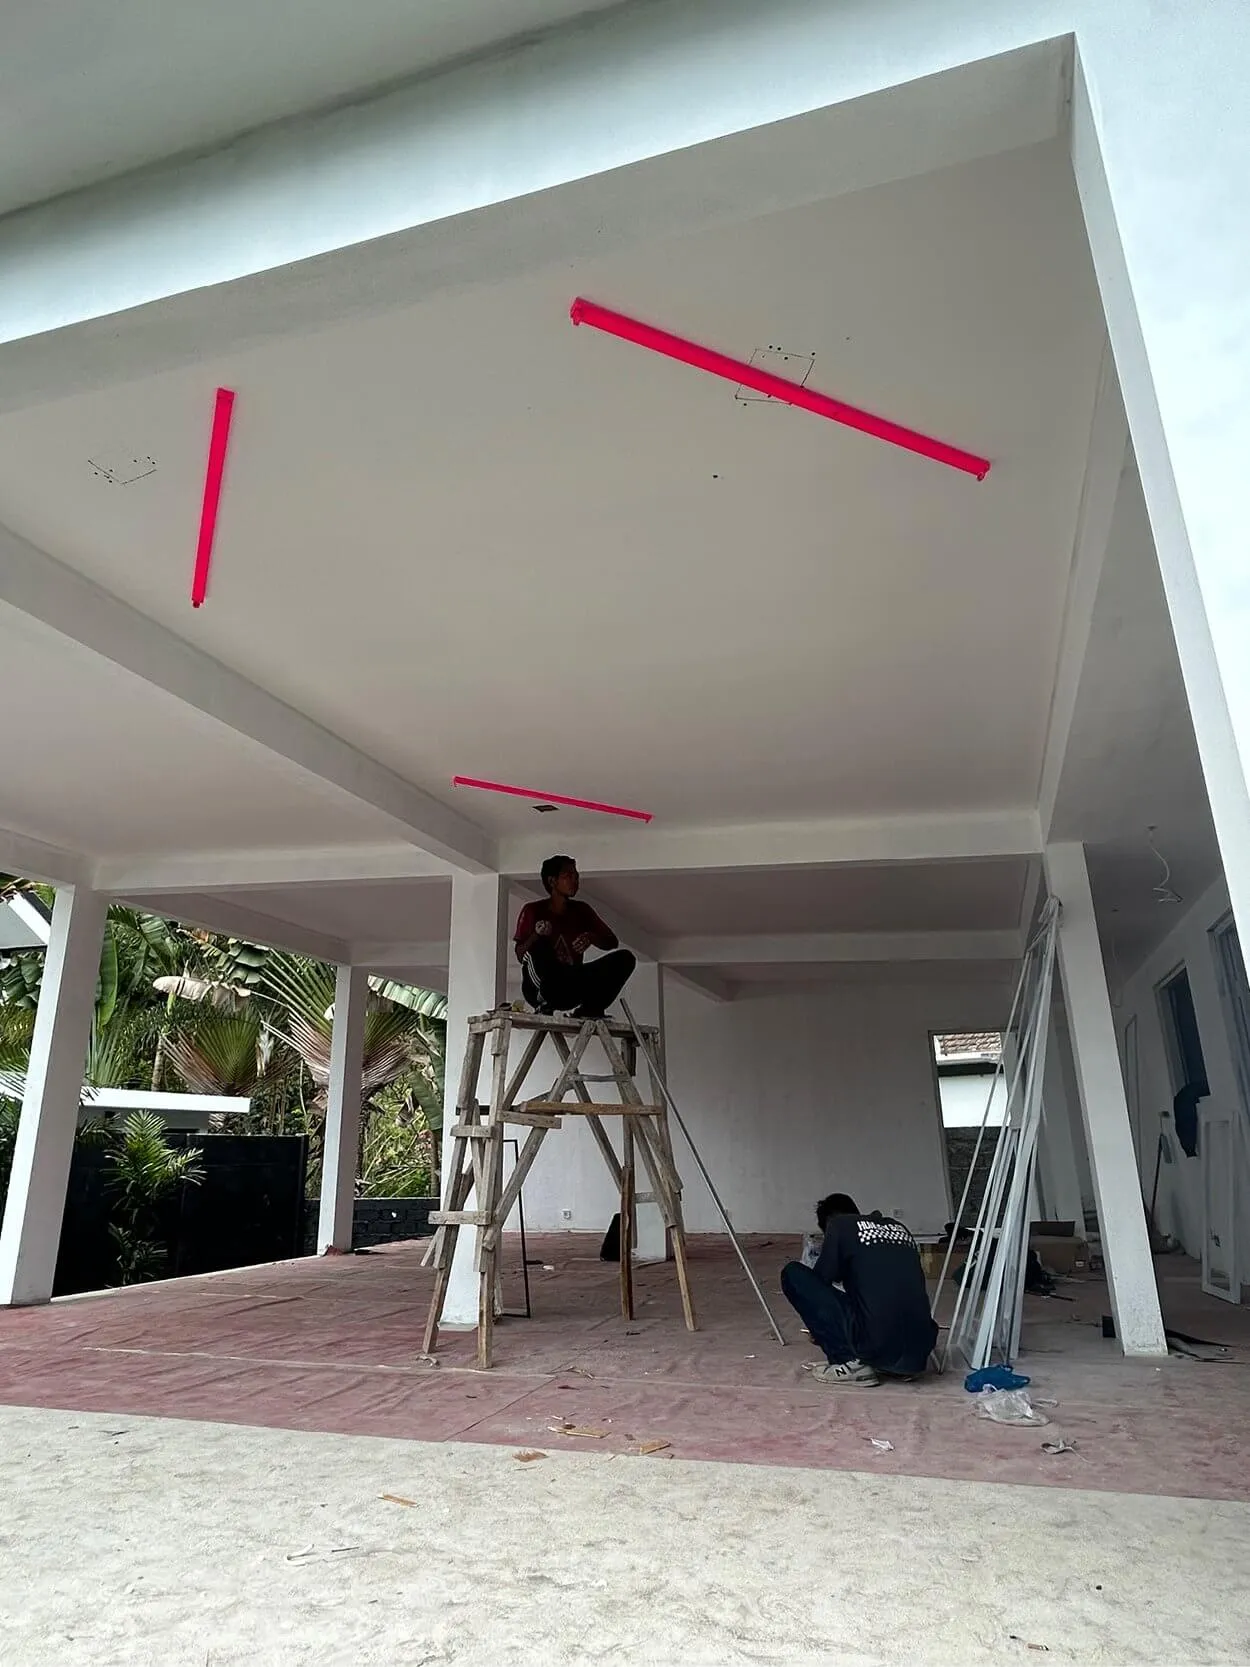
(853, 1375)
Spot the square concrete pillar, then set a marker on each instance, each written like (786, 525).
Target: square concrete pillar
(1108, 1132)
(342, 1133)
(476, 983)
(35, 1208)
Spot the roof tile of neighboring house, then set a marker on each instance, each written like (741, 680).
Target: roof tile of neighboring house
(987, 1042)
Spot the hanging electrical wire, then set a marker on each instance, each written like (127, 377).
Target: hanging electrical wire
(1164, 892)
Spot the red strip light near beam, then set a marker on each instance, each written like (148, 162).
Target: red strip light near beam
(223, 410)
(777, 387)
(551, 798)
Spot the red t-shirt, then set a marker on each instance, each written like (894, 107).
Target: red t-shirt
(576, 925)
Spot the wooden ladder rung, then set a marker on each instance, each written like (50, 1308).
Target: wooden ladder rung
(476, 1172)
(594, 1108)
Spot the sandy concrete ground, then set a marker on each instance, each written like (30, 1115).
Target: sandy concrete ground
(137, 1541)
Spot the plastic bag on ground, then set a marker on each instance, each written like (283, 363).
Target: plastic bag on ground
(1009, 1406)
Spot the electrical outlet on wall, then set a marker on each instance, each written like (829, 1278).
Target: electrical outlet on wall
(566, 1215)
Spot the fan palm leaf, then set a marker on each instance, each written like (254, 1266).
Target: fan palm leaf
(219, 1054)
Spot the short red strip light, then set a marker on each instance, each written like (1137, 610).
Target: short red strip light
(551, 798)
(223, 410)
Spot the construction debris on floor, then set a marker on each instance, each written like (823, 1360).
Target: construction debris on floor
(333, 1344)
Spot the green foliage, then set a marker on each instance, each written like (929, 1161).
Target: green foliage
(177, 1006)
(10, 1112)
(429, 1004)
(141, 1171)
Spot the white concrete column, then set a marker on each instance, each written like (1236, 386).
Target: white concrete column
(476, 983)
(1056, 1155)
(342, 1136)
(1117, 1191)
(645, 995)
(35, 1208)
(1161, 150)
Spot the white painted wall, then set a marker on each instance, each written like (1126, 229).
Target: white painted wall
(1180, 1184)
(790, 1096)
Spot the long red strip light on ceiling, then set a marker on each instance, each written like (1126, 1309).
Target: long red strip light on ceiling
(777, 387)
(223, 410)
(551, 798)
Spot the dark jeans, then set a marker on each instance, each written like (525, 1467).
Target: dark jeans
(825, 1312)
(592, 987)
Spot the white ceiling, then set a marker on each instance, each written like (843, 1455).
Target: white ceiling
(92, 88)
(469, 538)
(374, 911)
(94, 759)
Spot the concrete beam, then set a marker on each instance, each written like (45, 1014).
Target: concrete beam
(815, 948)
(45, 589)
(174, 871)
(636, 124)
(993, 833)
(1030, 894)
(35, 859)
(383, 957)
(235, 920)
(1104, 469)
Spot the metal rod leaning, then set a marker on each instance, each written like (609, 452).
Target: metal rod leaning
(653, 1065)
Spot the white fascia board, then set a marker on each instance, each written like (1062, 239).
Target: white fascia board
(21, 926)
(147, 1099)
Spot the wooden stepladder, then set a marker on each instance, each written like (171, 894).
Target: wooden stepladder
(477, 1148)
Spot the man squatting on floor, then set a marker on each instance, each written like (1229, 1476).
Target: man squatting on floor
(552, 938)
(879, 1322)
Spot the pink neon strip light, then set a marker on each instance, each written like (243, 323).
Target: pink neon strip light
(223, 410)
(551, 798)
(779, 387)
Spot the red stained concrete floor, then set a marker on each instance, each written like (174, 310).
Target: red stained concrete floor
(333, 1344)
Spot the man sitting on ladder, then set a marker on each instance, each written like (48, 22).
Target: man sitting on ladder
(551, 940)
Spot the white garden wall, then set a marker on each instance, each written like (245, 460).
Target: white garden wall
(790, 1096)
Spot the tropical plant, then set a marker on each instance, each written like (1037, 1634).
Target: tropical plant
(10, 1112)
(142, 1170)
(401, 1068)
(221, 1016)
